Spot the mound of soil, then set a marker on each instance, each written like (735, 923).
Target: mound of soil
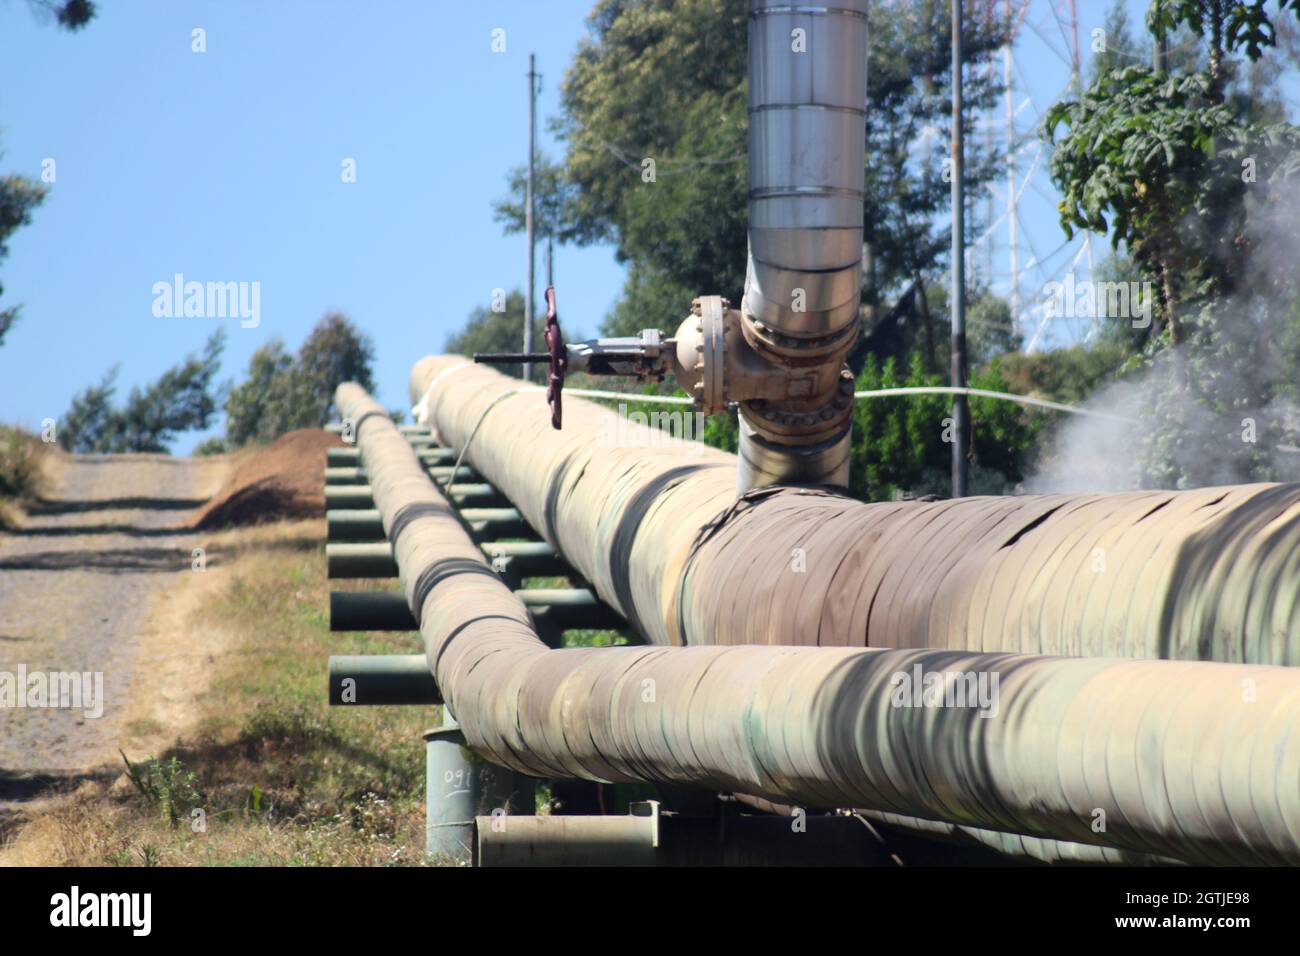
(283, 480)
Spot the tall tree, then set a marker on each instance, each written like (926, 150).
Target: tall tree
(335, 351)
(654, 120)
(554, 195)
(283, 392)
(18, 197)
(181, 400)
(1197, 186)
(495, 330)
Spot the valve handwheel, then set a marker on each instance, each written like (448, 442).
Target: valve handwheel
(559, 361)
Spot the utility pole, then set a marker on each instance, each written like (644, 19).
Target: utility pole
(1008, 81)
(960, 406)
(1076, 69)
(528, 213)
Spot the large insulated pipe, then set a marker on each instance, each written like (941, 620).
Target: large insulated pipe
(1208, 574)
(807, 109)
(1171, 758)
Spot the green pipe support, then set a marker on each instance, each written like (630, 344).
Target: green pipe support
(644, 837)
(363, 524)
(348, 496)
(335, 428)
(525, 558)
(370, 611)
(347, 455)
(496, 522)
(356, 475)
(436, 456)
(345, 475)
(475, 495)
(360, 560)
(571, 608)
(564, 609)
(464, 473)
(358, 680)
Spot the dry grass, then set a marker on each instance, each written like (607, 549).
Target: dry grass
(24, 472)
(233, 705)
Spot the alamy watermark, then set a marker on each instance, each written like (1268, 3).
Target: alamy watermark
(130, 910)
(208, 300)
(636, 429)
(53, 690)
(974, 689)
(1090, 300)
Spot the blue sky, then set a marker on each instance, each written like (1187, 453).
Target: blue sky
(225, 166)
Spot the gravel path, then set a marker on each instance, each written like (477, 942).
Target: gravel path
(76, 583)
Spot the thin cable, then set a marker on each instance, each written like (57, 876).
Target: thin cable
(631, 397)
(873, 393)
(985, 393)
(491, 405)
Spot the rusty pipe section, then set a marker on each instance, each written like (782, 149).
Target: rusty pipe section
(1171, 758)
(1208, 574)
(807, 112)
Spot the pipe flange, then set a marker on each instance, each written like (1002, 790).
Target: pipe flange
(701, 351)
(793, 351)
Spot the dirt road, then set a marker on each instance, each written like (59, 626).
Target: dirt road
(77, 583)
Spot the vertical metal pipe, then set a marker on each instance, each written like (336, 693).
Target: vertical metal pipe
(460, 785)
(960, 407)
(807, 108)
(528, 213)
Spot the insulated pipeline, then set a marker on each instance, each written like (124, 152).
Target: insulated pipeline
(1170, 758)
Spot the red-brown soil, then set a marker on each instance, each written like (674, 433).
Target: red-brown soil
(283, 480)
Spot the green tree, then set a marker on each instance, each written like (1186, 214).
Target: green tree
(899, 442)
(283, 392)
(71, 15)
(181, 400)
(1194, 184)
(488, 330)
(262, 406)
(1157, 160)
(334, 352)
(554, 196)
(18, 197)
(1070, 375)
(90, 424)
